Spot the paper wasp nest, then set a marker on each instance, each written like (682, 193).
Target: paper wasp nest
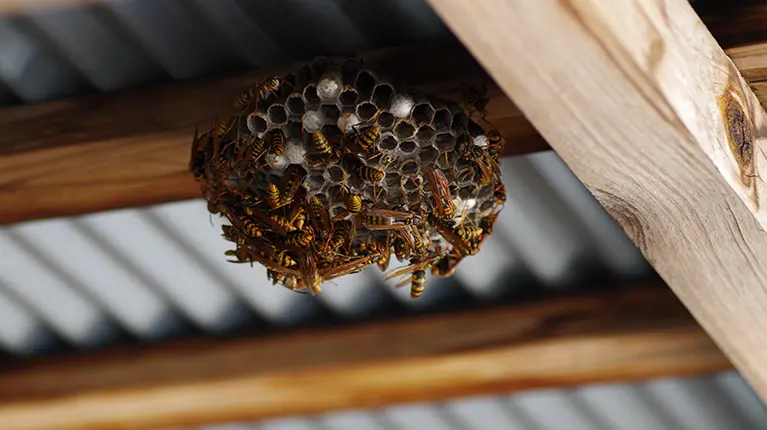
(332, 168)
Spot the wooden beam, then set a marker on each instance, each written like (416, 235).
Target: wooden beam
(614, 335)
(132, 148)
(128, 149)
(648, 111)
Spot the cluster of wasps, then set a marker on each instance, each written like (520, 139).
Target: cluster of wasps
(278, 219)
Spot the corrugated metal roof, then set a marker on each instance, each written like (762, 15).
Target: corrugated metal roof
(159, 272)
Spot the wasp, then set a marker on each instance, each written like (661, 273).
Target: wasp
(248, 154)
(371, 174)
(494, 142)
(352, 266)
(272, 195)
(246, 225)
(446, 265)
(318, 214)
(450, 235)
(321, 143)
(300, 238)
(384, 250)
(309, 275)
(487, 222)
(440, 190)
(223, 126)
(290, 183)
(231, 234)
(474, 98)
(277, 142)
(276, 223)
(367, 138)
(299, 220)
(269, 85)
(417, 272)
(353, 203)
(275, 277)
(201, 145)
(488, 168)
(499, 194)
(286, 224)
(469, 233)
(240, 254)
(340, 236)
(401, 248)
(385, 219)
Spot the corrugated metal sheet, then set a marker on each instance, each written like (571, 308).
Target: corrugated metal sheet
(152, 273)
(158, 271)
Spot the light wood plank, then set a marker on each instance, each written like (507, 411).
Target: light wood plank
(630, 93)
(613, 335)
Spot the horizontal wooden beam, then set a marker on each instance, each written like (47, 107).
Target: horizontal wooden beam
(650, 114)
(615, 335)
(131, 148)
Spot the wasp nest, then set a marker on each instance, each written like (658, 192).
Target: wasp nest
(332, 168)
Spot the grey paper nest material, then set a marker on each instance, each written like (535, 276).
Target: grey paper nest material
(332, 168)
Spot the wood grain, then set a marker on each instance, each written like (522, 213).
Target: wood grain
(129, 149)
(632, 94)
(619, 334)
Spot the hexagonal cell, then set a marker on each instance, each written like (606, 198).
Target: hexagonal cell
(486, 206)
(365, 83)
(466, 192)
(366, 111)
(409, 167)
(292, 130)
(413, 183)
(318, 66)
(316, 180)
(347, 121)
(392, 180)
(334, 174)
(447, 160)
(395, 196)
(329, 114)
(295, 105)
(387, 143)
(334, 193)
(386, 120)
(383, 95)
(402, 105)
(466, 176)
(256, 124)
(425, 134)
(445, 141)
(349, 97)
(464, 141)
(404, 130)
(423, 113)
(428, 155)
(310, 95)
(329, 87)
(460, 121)
(355, 182)
(485, 192)
(408, 146)
(312, 121)
(443, 119)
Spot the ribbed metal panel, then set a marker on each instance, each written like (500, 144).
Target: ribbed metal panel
(159, 272)
(154, 272)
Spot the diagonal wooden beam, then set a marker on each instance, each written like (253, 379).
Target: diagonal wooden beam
(615, 335)
(130, 148)
(642, 103)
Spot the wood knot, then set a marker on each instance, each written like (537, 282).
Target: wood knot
(740, 133)
(740, 137)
